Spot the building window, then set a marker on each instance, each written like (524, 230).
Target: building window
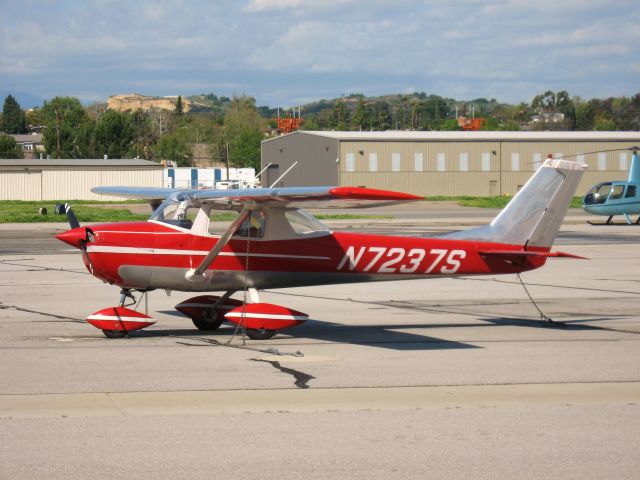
(602, 161)
(350, 165)
(373, 162)
(623, 161)
(395, 162)
(464, 162)
(441, 162)
(515, 162)
(580, 158)
(537, 161)
(418, 160)
(486, 162)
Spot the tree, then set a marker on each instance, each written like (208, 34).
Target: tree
(13, 118)
(144, 135)
(359, 113)
(171, 147)
(63, 116)
(450, 125)
(604, 124)
(179, 107)
(340, 116)
(114, 134)
(242, 132)
(550, 103)
(9, 148)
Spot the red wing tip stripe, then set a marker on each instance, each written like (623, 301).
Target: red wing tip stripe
(123, 319)
(363, 193)
(270, 316)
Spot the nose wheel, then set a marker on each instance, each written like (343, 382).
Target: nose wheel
(116, 322)
(114, 333)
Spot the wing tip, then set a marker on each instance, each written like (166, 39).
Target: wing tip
(364, 193)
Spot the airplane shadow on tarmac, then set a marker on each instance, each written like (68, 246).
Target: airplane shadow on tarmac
(389, 336)
(382, 336)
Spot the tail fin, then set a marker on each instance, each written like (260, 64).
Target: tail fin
(533, 217)
(634, 171)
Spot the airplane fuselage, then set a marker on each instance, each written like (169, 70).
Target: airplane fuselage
(153, 255)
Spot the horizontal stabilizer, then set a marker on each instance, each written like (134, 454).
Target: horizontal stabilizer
(528, 254)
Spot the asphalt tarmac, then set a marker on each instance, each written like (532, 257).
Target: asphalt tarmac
(448, 378)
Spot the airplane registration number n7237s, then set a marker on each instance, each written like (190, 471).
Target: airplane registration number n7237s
(399, 260)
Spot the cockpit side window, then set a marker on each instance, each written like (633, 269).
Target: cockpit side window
(616, 192)
(253, 226)
(303, 223)
(631, 191)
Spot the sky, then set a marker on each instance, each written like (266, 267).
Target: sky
(289, 52)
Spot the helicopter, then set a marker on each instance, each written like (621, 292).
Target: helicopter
(616, 197)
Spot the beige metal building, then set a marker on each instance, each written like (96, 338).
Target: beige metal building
(440, 163)
(73, 179)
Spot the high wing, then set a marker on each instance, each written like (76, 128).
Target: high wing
(291, 197)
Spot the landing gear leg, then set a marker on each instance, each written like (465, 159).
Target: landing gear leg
(609, 219)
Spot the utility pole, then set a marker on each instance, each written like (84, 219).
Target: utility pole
(226, 144)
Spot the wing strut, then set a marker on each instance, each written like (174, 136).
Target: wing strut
(197, 275)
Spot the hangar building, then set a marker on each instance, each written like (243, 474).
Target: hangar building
(73, 179)
(483, 163)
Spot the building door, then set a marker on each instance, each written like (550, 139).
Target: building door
(493, 188)
(273, 173)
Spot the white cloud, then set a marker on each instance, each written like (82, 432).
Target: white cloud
(262, 5)
(267, 5)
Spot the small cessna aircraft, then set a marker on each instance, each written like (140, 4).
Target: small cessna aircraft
(272, 243)
(616, 198)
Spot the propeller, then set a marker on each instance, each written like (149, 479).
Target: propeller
(73, 220)
(81, 243)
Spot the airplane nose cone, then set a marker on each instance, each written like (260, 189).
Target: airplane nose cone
(74, 236)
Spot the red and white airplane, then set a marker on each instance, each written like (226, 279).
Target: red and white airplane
(272, 243)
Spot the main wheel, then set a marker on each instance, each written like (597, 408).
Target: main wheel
(114, 333)
(262, 334)
(209, 321)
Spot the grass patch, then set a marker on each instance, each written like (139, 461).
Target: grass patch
(489, 202)
(86, 211)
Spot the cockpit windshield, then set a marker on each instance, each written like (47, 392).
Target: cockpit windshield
(262, 224)
(176, 210)
(598, 194)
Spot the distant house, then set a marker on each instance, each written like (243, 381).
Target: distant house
(548, 117)
(31, 144)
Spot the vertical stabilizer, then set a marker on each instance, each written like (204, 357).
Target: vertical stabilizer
(533, 217)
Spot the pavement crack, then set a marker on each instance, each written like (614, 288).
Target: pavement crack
(301, 379)
(38, 268)
(52, 315)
